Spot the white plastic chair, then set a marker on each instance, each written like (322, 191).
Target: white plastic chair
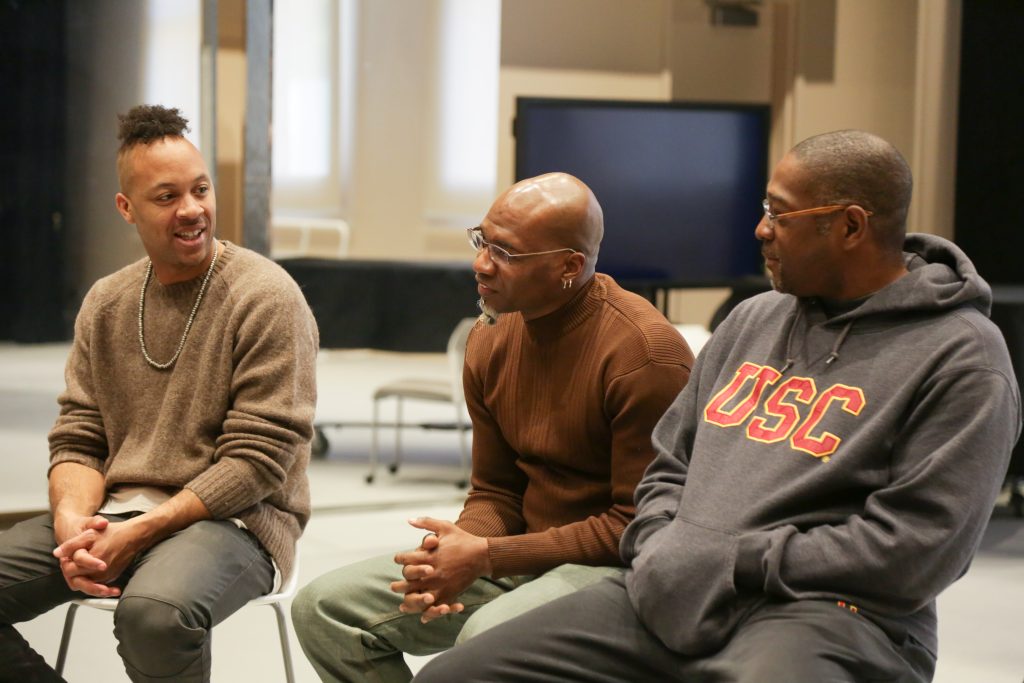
(274, 600)
(443, 391)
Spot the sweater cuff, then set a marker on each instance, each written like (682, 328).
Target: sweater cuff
(508, 558)
(78, 458)
(223, 489)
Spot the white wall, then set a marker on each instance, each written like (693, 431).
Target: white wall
(884, 65)
(719, 63)
(393, 93)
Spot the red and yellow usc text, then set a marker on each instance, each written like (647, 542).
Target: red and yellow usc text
(792, 410)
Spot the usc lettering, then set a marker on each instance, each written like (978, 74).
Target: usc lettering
(783, 408)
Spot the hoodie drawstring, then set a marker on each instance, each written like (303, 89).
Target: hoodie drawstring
(834, 354)
(789, 341)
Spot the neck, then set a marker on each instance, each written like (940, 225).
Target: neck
(172, 276)
(864, 287)
(561, 298)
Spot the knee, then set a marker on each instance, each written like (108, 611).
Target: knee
(493, 614)
(155, 637)
(462, 664)
(327, 606)
(307, 611)
(473, 627)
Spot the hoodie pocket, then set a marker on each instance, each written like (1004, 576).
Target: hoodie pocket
(682, 586)
(639, 532)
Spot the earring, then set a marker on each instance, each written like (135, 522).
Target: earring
(567, 284)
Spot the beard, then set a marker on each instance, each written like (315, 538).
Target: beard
(775, 279)
(488, 316)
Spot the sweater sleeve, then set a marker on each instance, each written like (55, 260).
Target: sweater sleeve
(78, 435)
(494, 506)
(633, 404)
(916, 535)
(269, 423)
(659, 492)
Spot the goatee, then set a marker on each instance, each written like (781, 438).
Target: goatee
(488, 316)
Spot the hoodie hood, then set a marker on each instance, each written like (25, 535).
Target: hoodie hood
(940, 277)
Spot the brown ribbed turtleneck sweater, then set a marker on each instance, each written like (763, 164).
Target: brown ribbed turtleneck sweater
(231, 420)
(563, 408)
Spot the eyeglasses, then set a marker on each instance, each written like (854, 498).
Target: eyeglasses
(496, 253)
(774, 217)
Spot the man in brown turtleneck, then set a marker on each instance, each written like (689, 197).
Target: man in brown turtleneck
(565, 377)
(178, 462)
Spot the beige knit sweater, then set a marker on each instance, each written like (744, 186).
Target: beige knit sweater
(563, 408)
(231, 420)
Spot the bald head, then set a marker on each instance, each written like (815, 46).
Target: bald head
(554, 210)
(855, 167)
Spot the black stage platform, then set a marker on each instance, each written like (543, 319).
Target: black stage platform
(386, 305)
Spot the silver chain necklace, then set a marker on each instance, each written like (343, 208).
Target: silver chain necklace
(191, 316)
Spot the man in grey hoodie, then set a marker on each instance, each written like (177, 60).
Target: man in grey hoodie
(827, 472)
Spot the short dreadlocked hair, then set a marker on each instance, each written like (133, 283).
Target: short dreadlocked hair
(149, 122)
(144, 125)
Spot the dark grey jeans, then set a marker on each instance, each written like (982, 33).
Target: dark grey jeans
(172, 595)
(594, 636)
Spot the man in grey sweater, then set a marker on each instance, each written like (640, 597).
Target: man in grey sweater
(826, 473)
(178, 462)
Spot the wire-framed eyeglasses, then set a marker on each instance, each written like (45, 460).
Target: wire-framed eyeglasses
(774, 217)
(499, 254)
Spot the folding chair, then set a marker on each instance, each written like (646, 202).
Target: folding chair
(274, 600)
(443, 391)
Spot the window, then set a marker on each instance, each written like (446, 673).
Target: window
(462, 180)
(313, 41)
(171, 39)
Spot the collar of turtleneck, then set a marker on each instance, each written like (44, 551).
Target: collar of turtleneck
(570, 316)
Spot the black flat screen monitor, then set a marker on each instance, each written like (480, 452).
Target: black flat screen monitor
(680, 183)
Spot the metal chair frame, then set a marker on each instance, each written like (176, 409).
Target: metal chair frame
(443, 391)
(273, 600)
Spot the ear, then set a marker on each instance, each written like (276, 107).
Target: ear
(855, 226)
(574, 266)
(124, 207)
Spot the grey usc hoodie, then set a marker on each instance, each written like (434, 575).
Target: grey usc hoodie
(854, 459)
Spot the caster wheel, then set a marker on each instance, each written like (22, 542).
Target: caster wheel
(369, 478)
(392, 468)
(461, 484)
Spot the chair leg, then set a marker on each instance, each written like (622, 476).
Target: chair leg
(398, 436)
(374, 442)
(286, 652)
(65, 638)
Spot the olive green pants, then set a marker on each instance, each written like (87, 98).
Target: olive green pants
(351, 630)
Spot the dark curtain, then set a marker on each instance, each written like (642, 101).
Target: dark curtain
(990, 164)
(990, 143)
(32, 153)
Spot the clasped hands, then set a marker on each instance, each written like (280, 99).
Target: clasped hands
(447, 561)
(92, 552)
